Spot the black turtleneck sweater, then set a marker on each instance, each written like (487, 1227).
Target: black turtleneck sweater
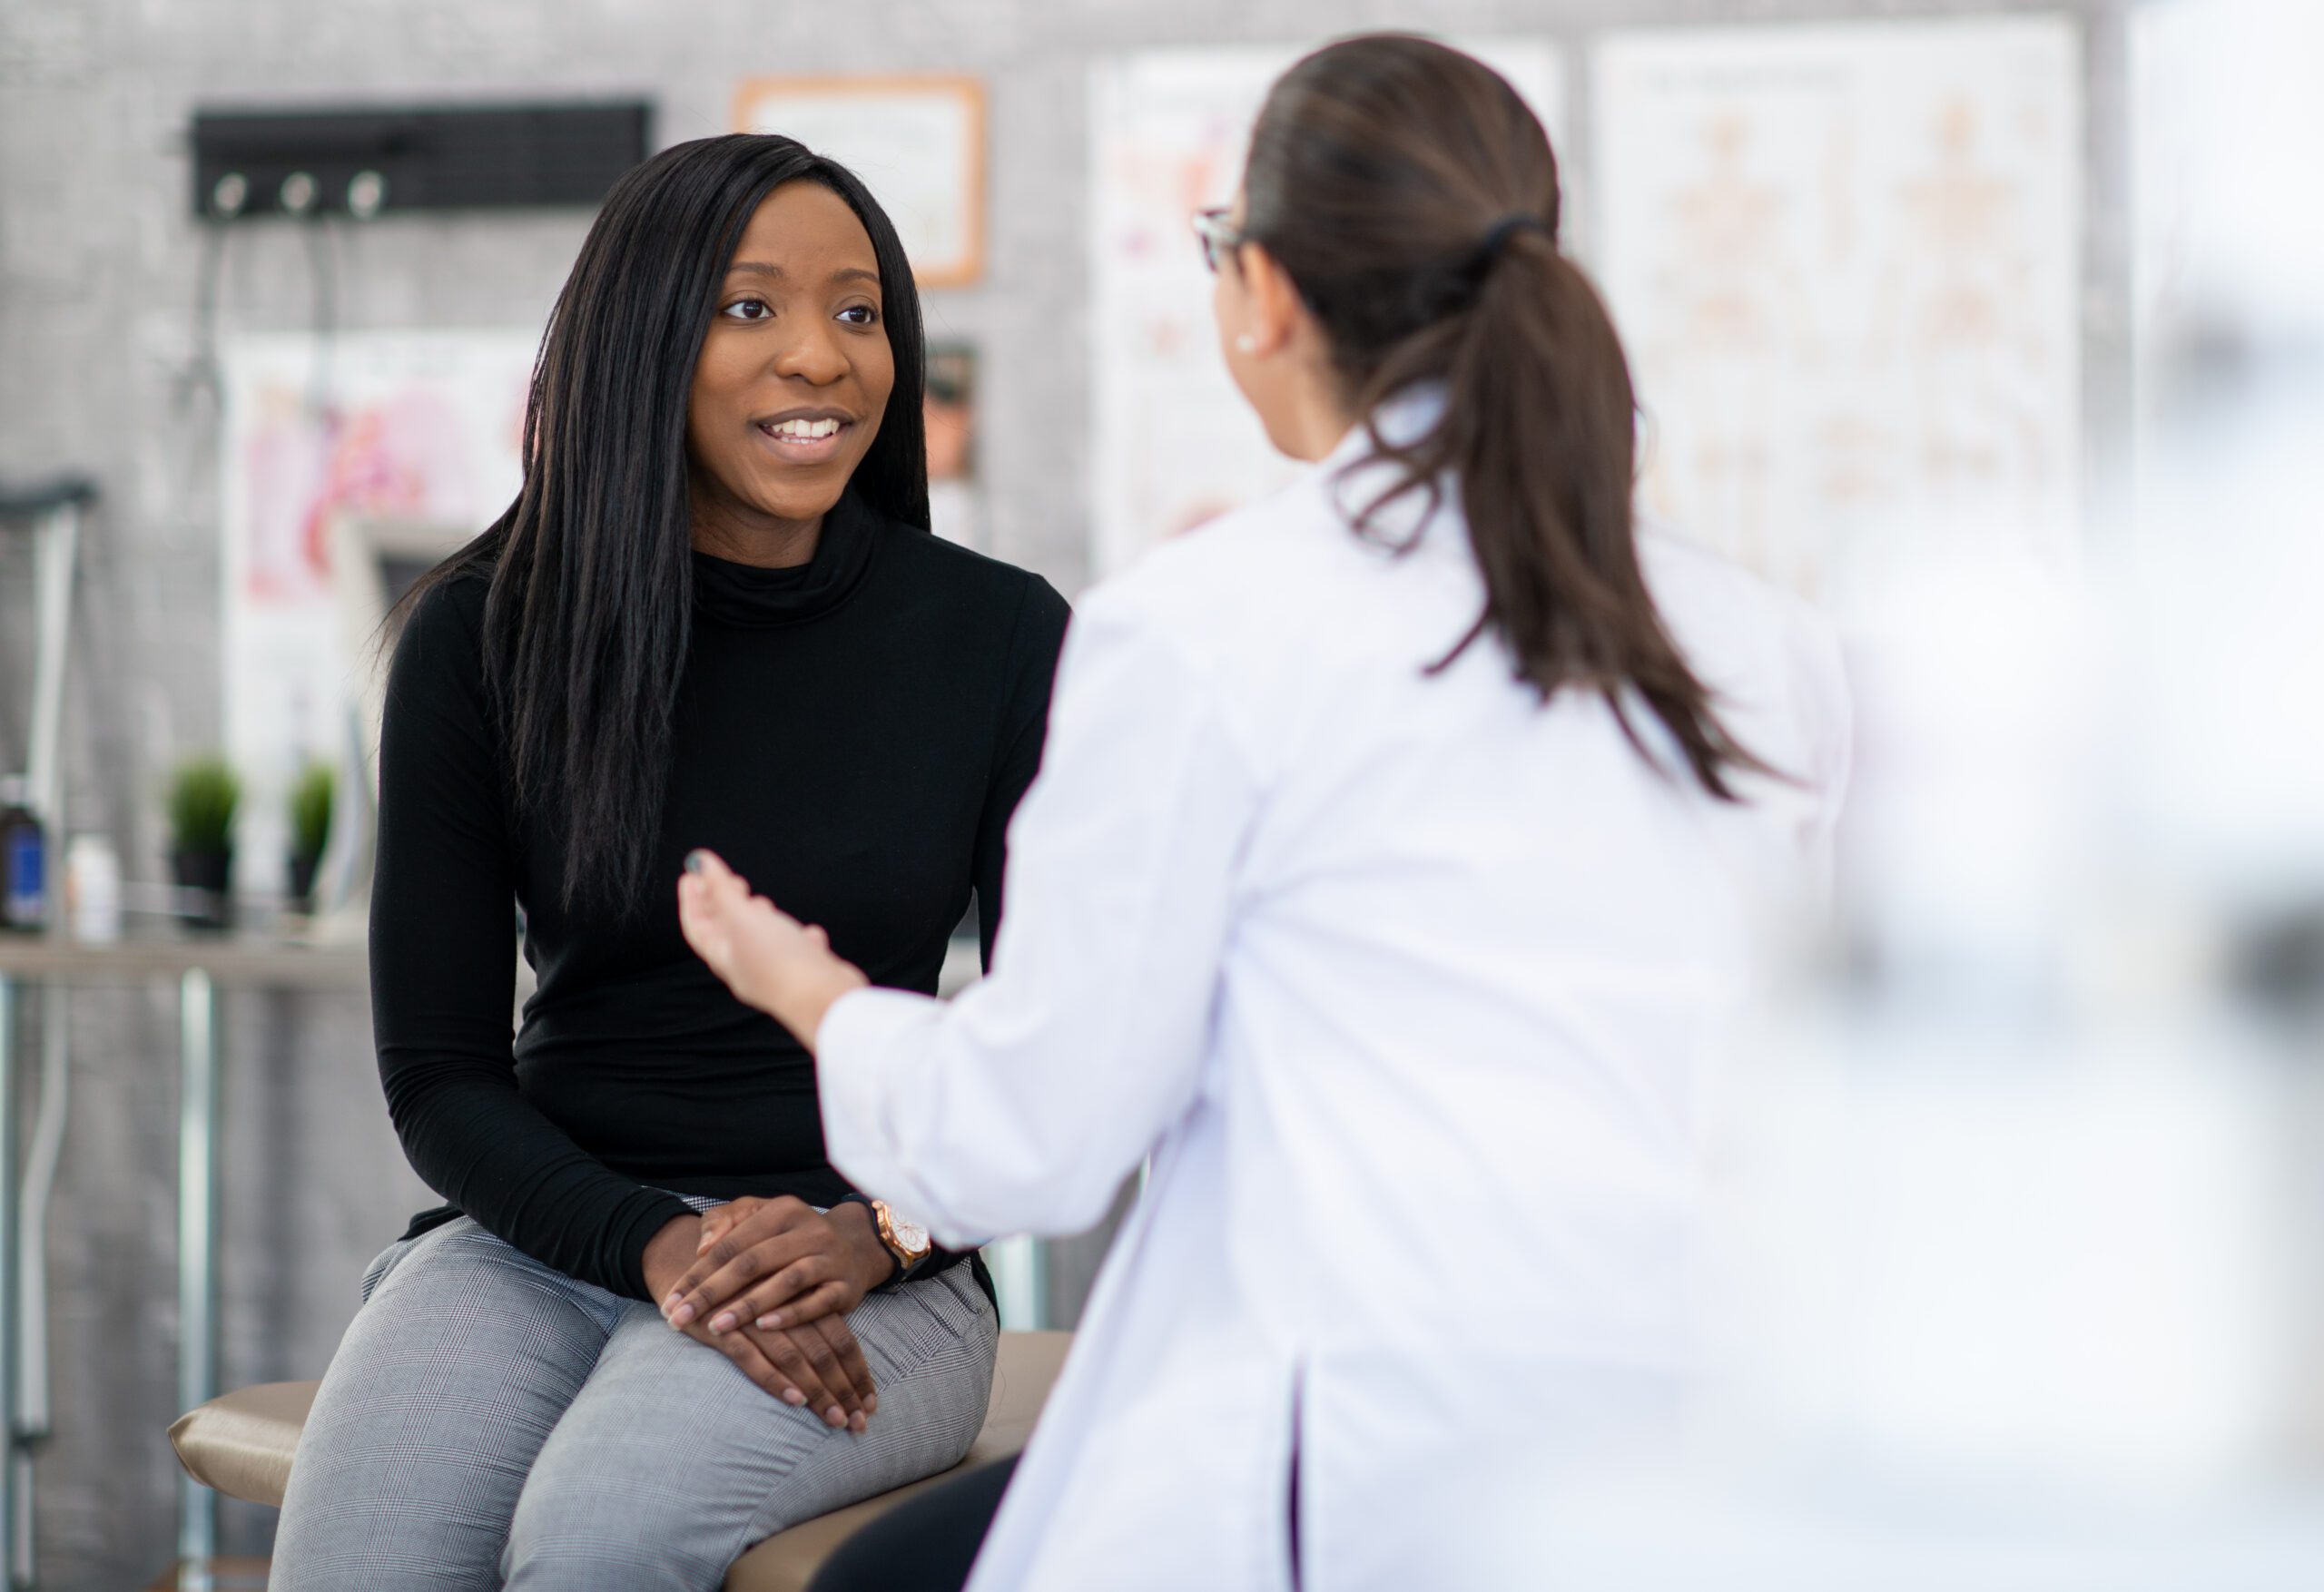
(852, 735)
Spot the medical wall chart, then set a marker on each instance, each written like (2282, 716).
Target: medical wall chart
(1846, 261)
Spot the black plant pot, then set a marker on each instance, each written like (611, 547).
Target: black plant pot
(300, 877)
(206, 895)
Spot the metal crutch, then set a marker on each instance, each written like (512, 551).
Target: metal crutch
(53, 511)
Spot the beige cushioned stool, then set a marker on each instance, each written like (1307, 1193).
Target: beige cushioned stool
(242, 1445)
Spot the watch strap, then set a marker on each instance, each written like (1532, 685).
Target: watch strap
(872, 1213)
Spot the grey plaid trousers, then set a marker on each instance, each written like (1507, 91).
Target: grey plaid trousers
(489, 1421)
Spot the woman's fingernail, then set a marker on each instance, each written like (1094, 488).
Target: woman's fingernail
(724, 1321)
(681, 1315)
(794, 1396)
(694, 860)
(768, 1323)
(835, 1415)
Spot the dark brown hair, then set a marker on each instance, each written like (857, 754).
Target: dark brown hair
(1413, 199)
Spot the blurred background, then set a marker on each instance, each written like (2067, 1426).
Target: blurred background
(1995, 330)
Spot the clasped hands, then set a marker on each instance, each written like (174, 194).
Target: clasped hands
(769, 1284)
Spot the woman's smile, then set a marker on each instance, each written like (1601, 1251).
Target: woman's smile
(806, 438)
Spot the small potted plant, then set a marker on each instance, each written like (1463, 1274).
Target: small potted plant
(311, 807)
(204, 794)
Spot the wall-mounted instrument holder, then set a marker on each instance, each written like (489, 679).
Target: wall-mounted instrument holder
(366, 163)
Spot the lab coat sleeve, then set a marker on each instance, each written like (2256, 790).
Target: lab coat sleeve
(1021, 1105)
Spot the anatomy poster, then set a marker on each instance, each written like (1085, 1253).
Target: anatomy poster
(415, 429)
(1845, 259)
(1172, 443)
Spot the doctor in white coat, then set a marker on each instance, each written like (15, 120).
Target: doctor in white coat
(1397, 866)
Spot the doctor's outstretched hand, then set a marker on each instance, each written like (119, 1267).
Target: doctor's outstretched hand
(766, 957)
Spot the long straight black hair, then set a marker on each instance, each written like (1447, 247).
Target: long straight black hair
(589, 613)
(1412, 199)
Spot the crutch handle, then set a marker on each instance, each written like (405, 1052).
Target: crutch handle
(40, 497)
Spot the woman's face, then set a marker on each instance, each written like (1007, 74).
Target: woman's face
(795, 371)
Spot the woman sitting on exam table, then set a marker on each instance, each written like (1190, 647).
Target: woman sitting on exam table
(1396, 861)
(715, 615)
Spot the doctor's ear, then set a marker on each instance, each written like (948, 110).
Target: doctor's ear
(1275, 309)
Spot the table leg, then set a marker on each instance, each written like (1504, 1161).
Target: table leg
(197, 1255)
(8, 1349)
(44, 1148)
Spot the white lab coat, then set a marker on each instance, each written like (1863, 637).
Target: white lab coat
(1411, 988)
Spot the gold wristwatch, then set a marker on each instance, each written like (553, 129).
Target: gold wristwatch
(907, 1240)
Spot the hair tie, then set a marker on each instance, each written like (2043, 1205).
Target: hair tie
(1508, 227)
(1457, 285)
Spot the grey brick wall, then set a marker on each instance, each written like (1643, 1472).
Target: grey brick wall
(98, 262)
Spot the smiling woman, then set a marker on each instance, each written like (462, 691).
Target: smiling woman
(714, 616)
(799, 310)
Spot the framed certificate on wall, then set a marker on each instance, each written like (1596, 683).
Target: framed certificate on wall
(917, 141)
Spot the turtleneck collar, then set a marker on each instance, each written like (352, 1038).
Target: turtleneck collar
(749, 597)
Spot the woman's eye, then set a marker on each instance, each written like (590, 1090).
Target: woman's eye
(859, 315)
(748, 309)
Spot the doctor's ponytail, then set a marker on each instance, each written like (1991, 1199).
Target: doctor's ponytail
(1412, 199)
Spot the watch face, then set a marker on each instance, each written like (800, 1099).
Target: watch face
(910, 1236)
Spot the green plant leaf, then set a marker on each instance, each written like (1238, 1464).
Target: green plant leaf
(310, 809)
(204, 795)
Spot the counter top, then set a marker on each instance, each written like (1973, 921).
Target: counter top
(265, 961)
